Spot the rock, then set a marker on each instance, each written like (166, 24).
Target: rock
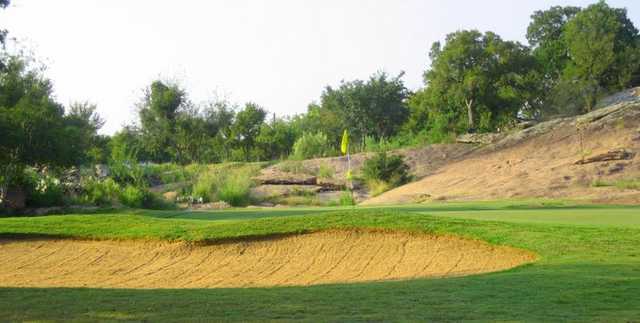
(270, 190)
(14, 199)
(616, 168)
(478, 138)
(525, 124)
(619, 154)
(221, 205)
(170, 196)
(272, 176)
(102, 170)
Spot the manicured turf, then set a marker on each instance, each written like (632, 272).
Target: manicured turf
(589, 267)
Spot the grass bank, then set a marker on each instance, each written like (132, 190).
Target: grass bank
(588, 270)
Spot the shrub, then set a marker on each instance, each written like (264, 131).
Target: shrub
(346, 199)
(377, 187)
(43, 189)
(390, 169)
(312, 145)
(205, 187)
(128, 172)
(133, 197)
(628, 184)
(101, 193)
(325, 171)
(230, 184)
(235, 187)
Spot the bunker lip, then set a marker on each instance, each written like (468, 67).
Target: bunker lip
(325, 257)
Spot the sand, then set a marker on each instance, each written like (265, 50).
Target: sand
(296, 260)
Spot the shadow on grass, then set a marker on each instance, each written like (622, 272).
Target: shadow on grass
(585, 292)
(236, 214)
(249, 214)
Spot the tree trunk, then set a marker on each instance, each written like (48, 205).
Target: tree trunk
(470, 115)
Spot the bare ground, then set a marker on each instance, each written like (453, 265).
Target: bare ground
(542, 162)
(310, 259)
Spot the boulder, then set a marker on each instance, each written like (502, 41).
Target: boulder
(14, 199)
(170, 196)
(478, 138)
(618, 154)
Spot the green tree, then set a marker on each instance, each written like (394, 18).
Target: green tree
(246, 128)
(276, 139)
(375, 108)
(32, 124)
(603, 46)
(190, 137)
(319, 119)
(158, 112)
(3, 33)
(83, 122)
(545, 36)
(478, 81)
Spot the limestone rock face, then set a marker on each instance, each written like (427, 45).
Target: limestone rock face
(478, 138)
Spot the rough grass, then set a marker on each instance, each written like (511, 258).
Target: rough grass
(587, 271)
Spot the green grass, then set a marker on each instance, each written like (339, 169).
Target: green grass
(588, 270)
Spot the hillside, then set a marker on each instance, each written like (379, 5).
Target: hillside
(592, 157)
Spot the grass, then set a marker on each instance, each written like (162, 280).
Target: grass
(623, 184)
(231, 184)
(587, 271)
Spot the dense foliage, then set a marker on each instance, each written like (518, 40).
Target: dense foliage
(390, 169)
(476, 82)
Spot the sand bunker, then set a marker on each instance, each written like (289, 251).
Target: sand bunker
(309, 259)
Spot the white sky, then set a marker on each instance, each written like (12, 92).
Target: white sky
(277, 53)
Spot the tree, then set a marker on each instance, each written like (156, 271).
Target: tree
(478, 81)
(276, 139)
(83, 123)
(33, 128)
(545, 36)
(189, 138)
(374, 108)
(246, 128)
(158, 112)
(3, 33)
(603, 47)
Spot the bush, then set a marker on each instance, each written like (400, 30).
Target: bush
(232, 185)
(206, 187)
(43, 189)
(312, 145)
(235, 188)
(377, 187)
(101, 193)
(133, 197)
(628, 184)
(346, 199)
(390, 169)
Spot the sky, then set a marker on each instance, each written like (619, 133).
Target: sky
(280, 54)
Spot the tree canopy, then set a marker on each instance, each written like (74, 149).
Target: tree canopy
(476, 82)
(34, 128)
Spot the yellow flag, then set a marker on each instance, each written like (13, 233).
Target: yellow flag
(344, 147)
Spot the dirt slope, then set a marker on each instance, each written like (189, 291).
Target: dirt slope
(541, 162)
(317, 258)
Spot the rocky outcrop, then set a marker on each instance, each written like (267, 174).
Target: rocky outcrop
(478, 138)
(619, 154)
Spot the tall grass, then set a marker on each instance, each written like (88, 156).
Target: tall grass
(235, 187)
(229, 184)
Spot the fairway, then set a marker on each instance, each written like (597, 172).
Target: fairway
(587, 266)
